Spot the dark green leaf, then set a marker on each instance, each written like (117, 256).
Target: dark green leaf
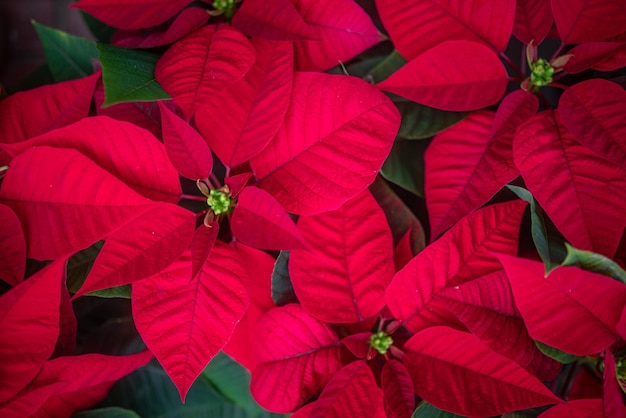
(100, 30)
(110, 412)
(358, 68)
(386, 67)
(426, 410)
(128, 75)
(405, 165)
(69, 57)
(556, 354)
(282, 289)
(419, 121)
(596, 263)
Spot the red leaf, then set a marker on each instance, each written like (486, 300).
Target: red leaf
(72, 374)
(66, 343)
(201, 246)
(261, 222)
(593, 54)
(34, 112)
(117, 147)
(12, 247)
(465, 168)
(41, 187)
(343, 277)
(359, 345)
(461, 254)
(515, 109)
(416, 26)
(136, 15)
(562, 309)
(203, 64)
(275, 20)
(581, 408)
(187, 21)
(237, 182)
(185, 324)
(29, 327)
(398, 388)
(486, 307)
(588, 20)
(621, 325)
(144, 246)
(350, 392)
(241, 121)
(344, 31)
(185, 146)
(335, 137)
(290, 342)
(442, 357)
(454, 75)
(591, 112)
(582, 211)
(613, 397)
(533, 20)
(66, 404)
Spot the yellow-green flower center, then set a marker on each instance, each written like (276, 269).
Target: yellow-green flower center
(381, 342)
(220, 202)
(225, 6)
(541, 73)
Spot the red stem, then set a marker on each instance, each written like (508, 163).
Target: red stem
(193, 197)
(513, 65)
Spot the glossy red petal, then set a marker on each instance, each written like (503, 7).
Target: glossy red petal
(185, 324)
(515, 109)
(591, 112)
(290, 342)
(29, 327)
(580, 408)
(479, 381)
(533, 20)
(461, 254)
(136, 15)
(343, 277)
(562, 309)
(12, 247)
(418, 25)
(203, 64)
(241, 121)
(261, 222)
(275, 20)
(591, 54)
(34, 112)
(335, 137)
(398, 388)
(465, 167)
(588, 20)
(453, 75)
(185, 146)
(567, 188)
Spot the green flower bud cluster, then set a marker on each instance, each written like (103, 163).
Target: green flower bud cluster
(225, 6)
(541, 73)
(381, 341)
(220, 202)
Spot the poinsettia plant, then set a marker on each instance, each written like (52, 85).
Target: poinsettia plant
(382, 209)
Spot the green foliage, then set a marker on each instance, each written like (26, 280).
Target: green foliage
(111, 412)
(419, 121)
(426, 410)
(556, 354)
(596, 263)
(405, 165)
(282, 289)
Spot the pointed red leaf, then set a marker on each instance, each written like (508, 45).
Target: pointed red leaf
(582, 211)
(465, 168)
(343, 277)
(454, 75)
(351, 392)
(71, 374)
(343, 29)
(398, 388)
(359, 345)
(201, 246)
(442, 357)
(261, 222)
(580, 408)
(51, 188)
(461, 254)
(562, 310)
(12, 247)
(117, 147)
(202, 64)
(593, 54)
(241, 121)
(29, 327)
(237, 182)
(533, 20)
(487, 308)
(290, 342)
(67, 404)
(185, 146)
(34, 112)
(187, 21)
(335, 137)
(144, 246)
(275, 20)
(66, 343)
(138, 14)
(591, 112)
(416, 26)
(185, 324)
(516, 108)
(612, 396)
(588, 20)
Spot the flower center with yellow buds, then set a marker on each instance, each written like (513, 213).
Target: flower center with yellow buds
(381, 341)
(227, 7)
(219, 201)
(541, 73)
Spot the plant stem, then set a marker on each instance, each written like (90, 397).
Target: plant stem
(193, 197)
(215, 181)
(513, 65)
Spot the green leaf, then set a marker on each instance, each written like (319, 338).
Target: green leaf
(596, 263)
(548, 240)
(282, 289)
(69, 57)
(405, 165)
(426, 410)
(556, 354)
(100, 30)
(420, 122)
(386, 67)
(110, 412)
(128, 75)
